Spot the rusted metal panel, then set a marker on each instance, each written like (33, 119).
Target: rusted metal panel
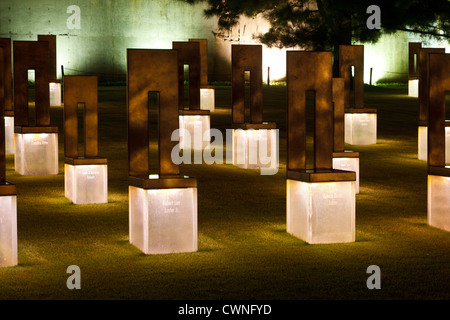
(309, 71)
(246, 58)
(188, 54)
(413, 50)
(151, 70)
(352, 55)
(203, 43)
(6, 188)
(423, 82)
(2, 114)
(80, 89)
(51, 39)
(339, 114)
(31, 55)
(439, 83)
(6, 68)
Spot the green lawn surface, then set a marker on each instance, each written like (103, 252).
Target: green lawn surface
(244, 251)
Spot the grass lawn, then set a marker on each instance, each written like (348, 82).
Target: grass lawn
(244, 251)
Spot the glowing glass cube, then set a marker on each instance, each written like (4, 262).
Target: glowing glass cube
(321, 212)
(86, 183)
(194, 132)
(9, 135)
(413, 88)
(348, 164)
(55, 94)
(163, 220)
(36, 153)
(255, 148)
(423, 144)
(439, 202)
(361, 128)
(8, 231)
(207, 99)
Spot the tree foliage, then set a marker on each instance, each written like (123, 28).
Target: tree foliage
(325, 24)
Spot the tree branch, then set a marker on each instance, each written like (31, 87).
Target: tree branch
(430, 33)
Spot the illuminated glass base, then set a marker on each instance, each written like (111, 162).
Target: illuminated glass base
(321, 212)
(255, 148)
(423, 144)
(163, 220)
(8, 231)
(55, 94)
(348, 164)
(194, 132)
(207, 99)
(9, 135)
(413, 88)
(360, 128)
(36, 153)
(439, 202)
(85, 184)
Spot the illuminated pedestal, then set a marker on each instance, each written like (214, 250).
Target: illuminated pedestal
(8, 226)
(163, 220)
(361, 127)
(9, 134)
(35, 153)
(439, 202)
(194, 130)
(321, 212)
(55, 94)
(413, 88)
(423, 143)
(86, 183)
(255, 148)
(207, 98)
(347, 161)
